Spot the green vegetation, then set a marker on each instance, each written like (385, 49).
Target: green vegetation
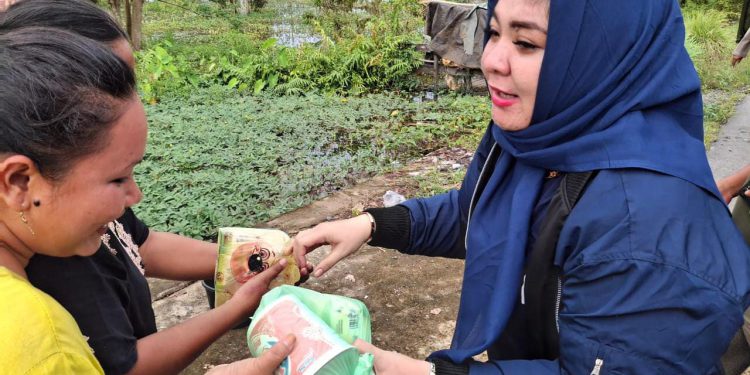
(436, 181)
(711, 28)
(344, 5)
(217, 158)
(357, 53)
(244, 128)
(731, 7)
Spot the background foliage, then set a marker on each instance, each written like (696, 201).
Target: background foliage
(711, 28)
(218, 158)
(244, 128)
(356, 53)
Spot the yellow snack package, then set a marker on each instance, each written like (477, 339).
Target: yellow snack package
(245, 252)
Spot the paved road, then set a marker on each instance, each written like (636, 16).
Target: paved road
(731, 150)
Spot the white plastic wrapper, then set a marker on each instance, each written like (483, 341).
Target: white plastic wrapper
(324, 331)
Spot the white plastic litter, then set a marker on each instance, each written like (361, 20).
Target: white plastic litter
(392, 198)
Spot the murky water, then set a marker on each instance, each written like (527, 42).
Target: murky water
(289, 29)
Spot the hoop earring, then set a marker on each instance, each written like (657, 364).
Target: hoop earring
(26, 222)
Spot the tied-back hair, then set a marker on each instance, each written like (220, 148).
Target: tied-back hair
(61, 93)
(81, 17)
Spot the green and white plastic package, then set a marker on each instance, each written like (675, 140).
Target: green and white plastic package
(325, 326)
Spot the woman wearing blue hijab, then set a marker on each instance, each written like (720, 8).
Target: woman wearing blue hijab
(653, 277)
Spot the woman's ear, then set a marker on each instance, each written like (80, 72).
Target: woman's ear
(15, 173)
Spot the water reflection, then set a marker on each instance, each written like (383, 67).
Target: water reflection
(289, 29)
(288, 35)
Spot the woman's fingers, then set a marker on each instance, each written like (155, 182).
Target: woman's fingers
(272, 359)
(305, 242)
(365, 347)
(266, 364)
(330, 260)
(344, 236)
(258, 284)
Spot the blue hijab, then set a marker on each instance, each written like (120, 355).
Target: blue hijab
(617, 89)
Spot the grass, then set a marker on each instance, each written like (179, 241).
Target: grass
(710, 41)
(220, 156)
(436, 181)
(206, 45)
(203, 24)
(717, 109)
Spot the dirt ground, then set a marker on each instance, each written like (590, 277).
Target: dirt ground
(412, 300)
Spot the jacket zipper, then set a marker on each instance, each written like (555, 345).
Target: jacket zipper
(597, 366)
(473, 195)
(557, 304)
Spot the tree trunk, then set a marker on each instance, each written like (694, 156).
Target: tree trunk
(128, 18)
(116, 9)
(137, 23)
(243, 7)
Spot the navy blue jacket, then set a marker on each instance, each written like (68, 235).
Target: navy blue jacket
(655, 275)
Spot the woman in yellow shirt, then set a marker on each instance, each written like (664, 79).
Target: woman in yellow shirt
(39, 336)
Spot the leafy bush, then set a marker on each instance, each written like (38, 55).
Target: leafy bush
(193, 25)
(345, 5)
(257, 4)
(158, 73)
(731, 7)
(217, 158)
(704, 27)
(358, 54)
(710, 41)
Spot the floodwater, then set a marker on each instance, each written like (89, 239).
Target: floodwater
(289, 29)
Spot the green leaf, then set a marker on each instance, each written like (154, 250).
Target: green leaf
(283, 58)
(259, 86)
(273, 80)
(268, 43)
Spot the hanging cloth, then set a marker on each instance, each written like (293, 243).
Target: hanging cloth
(744, 21)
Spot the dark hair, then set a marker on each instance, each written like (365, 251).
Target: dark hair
(61, 93)
(81, 17)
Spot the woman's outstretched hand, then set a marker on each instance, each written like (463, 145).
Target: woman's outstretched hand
(344, 236)
(266, 364)
(392, 363)
(729, 186)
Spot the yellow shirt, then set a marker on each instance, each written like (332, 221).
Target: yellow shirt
(37, 335)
